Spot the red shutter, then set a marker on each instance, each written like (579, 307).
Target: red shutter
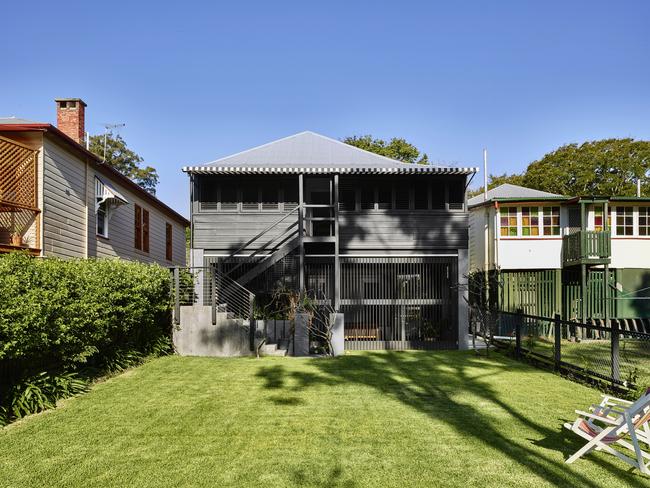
(138, 227)
(145, 230)
(168, 241)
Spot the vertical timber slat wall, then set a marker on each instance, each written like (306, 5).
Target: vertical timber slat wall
(399, 303)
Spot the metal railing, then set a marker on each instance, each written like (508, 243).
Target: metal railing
(207, 287)
(614, 353)
(585, 246)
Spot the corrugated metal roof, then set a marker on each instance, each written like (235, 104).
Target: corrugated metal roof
(15, 120)
(308, 152)
(510, 191)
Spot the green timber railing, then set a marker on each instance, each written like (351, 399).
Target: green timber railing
(586, 247)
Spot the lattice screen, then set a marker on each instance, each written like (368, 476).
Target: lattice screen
(18, 199)
(17, 174)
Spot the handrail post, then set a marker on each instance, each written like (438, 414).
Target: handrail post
(177, 295)
(557, 353)
(616, 372)
(213, 295)
(252, 324)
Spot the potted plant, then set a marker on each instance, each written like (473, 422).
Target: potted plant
(16, 239)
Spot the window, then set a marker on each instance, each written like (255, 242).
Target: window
(141, 230)
(384, 196)
(438, 195)
(138, 228)
(402, 197)
(644, 221)
(457, 195)
(227, 197)
(624, 221)
(530, 221)
(168, 242)
(290, 196)
(367, 198)
(102, 221)
(551, 221)
(508, 221)
(270, 197)
(250, 196)
(421, 196)
(598, 218)
(347, 196)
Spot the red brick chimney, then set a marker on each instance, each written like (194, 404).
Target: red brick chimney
(70, 117)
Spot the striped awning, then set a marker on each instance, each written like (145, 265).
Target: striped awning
(406, 169)
(105, 192)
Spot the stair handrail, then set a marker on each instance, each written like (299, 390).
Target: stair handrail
(271, 226)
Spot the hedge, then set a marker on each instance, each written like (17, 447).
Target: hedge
(63, 321)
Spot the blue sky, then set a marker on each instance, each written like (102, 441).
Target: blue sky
(200, 80)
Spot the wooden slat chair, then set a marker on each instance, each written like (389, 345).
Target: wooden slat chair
(611, 422)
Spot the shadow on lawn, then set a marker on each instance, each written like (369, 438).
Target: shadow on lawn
(428, 382)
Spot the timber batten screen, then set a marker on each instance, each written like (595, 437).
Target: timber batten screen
(393, 302)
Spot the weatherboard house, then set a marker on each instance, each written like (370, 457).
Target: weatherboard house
(57, 199)
(582, 257)
(384, 242)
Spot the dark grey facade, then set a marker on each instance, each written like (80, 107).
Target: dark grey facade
(386, 242)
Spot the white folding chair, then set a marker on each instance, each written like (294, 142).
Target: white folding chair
(610, 423)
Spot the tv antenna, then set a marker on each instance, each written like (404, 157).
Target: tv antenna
(109, 128)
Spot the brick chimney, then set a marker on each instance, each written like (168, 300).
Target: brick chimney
(70, 117)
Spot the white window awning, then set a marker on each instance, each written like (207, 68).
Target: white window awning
(105, 192)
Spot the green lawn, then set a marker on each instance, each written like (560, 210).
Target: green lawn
(368, 419)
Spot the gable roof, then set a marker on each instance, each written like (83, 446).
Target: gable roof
(308, 152)
(13, 124)
(508, 191)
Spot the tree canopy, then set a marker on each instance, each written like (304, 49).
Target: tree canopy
(605, 167)
(397, 148)
(123, 159)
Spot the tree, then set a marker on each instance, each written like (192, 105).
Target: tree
(124, 160)
(606, 167)
(396, 148)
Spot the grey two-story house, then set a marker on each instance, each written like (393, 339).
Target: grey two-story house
(385, 242)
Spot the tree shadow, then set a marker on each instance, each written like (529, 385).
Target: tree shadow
(429, 383)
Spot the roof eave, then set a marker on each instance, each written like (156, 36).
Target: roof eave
(408, 169)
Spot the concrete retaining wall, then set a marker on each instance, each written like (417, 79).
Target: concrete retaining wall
(197, 336)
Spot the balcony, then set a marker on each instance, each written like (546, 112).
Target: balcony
(586, 247)
(19, 214)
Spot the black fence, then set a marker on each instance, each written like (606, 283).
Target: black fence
(615, 354)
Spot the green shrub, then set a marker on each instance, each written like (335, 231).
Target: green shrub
(59, 317)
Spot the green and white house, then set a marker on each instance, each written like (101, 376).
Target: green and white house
(582, 257)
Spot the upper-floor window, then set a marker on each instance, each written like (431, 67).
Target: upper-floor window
(644, 221)
(102, 220)
(624, 221)
(551, 221)
(169, 248)
(509, 221)
(598, 218)
(396, 194)
(529, 221)
(107, 198)
(141, 229)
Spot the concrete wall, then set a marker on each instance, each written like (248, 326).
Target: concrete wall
(197, 336)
